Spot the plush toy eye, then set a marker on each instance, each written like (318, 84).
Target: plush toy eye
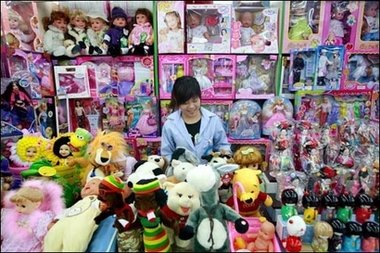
(190, 196)
(291, 221)
(179, 195)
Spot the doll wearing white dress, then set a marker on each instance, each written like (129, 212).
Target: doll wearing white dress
(200, 70)
(197, 33)
(246, 30)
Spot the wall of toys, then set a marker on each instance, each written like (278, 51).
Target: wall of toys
(297, 81)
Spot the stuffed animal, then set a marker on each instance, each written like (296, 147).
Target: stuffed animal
(161, 161)
(184, 155)
(150, 198)
(208, 223)
(27, 213)
(182, 200)
(249, 198)
(180, 170)
(73, 231)
(146, 170)
(296, 228)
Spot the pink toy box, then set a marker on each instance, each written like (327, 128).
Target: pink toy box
(170, 68)
(63, 115)
(113, 113)
(361, 71)
(85, 113)
(132, 147)
(367, 36)
(340, 23)
(165, 110)
(255, 76)
(275, 110)
(148, 146)
(21, 25)
(375, 107)
(208, 28)
(254, 30)
(72, 81)
(302, 25)
(170, 26)
(220, 108)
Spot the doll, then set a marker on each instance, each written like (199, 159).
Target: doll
(363, 209)
(197, 33)
(200, 72)
(42, 118)
(248, 157)
(345, 158)
(298, 66)
(352, 237)
(322, 233)
(325, 144)
(295, 182)
(296, 228)
(263, 239)
(334, 69)
(27, 213)
(146, 123)
(80, 113)
(336, 241)
(289, 201)
(20, 30)
(310, 202)
(324, 109)
(114, 114)
(329, 203)
(77, 29)
(55, 28)
(116, 38)
(370, 240)
(346, 206)
(336, 22)
(96, 31)
(171, 37)
(299, 27)
(246, 30)
(141, 36)
(370, 28)
(278, 113)
(254, 82)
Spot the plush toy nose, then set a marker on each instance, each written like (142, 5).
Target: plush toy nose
(151, 216)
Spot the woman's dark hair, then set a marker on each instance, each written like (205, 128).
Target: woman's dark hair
(184, 89)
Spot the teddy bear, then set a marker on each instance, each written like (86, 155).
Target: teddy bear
(182, 200)
(208, 223)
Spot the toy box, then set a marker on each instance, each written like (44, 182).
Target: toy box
(170, 68)
(302, 25)
(170, 26)
(142, 115)
(132, 147)
(275, 110)
(254, 30)
(35, 68)
(85, 113)
(148, 146)
(285, 70)
(164, 110)
(340, 23)
(302, 69)
(329, 67)
(46, 117)
(361, 71)
(245, 120)
(375, 108)
(72, 81)
(208, 28)
(367, 36)
(201, 67)
(16, 114)
(113, 113)
(63, 115)
(21, 25)
(220, 108)
(255, 76)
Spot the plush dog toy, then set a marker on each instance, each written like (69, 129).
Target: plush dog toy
(208, 222)
(184, 155)
(182, 200)
(146, 170)
(180, 170)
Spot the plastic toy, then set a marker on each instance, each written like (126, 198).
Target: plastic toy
(302, 69)
(224, 69)
(171, 67)
(289, 201)
(322, 233)
(336, 241)
(98, 26)
(197, 31)
(296, 228)
(220, 108)
(263, 240)
(116, 39)
(368, 27)
(370, 240)
(72, 81)
(346, 206)
(352, 237)
(141, 39)
(275, 110)
(310, 202)
(329, 204)
(363, 209)
(113, 114)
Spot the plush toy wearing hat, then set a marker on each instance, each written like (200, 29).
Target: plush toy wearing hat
(208, 222)
(96, 32)
(116, 38)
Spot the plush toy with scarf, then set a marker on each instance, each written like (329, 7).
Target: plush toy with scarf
(208, 223)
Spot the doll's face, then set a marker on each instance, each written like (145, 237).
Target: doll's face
(172, 21)
(31, 152)
(90, 188)
(193, 20)
(371, 11)
(13, 22)
(97, 24)
(141, 19)
(26, 206)
(79, 22)
(338, 15)
(246, 19)
(64, 150)
(266, 231)
(120, 22)
(61, 24)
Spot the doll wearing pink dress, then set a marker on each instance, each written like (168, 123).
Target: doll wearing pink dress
(278, 114)
(141, 37)
(144, 125)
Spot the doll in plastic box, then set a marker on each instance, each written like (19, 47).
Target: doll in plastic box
(197, 32)
(20, 30)
(80, 113)
(322, 233)
(77, 29)
(171, 37)
(147, 123)
(345, 158)
(141, 38)
(95, 32)
(370, 28)
(114, 114)
(246, 30)
(55, 28)
(299, 25)
(116, 38)
(254, 81)
(42, 118)
(200, 70)
(336, 22)
(278, 113)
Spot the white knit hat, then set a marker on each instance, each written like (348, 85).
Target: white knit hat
(97, 14)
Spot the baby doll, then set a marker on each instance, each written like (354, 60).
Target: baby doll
(77, 29)
(200, 70)
(246, 30)
(20, 30)
(197, 33)
(141, 37)
(96, 31)
(263, 240)
(171, 37)
(27, 213)
(116, 38)
(55, 29)
(322, 232)
(299, 27)
(370, 28)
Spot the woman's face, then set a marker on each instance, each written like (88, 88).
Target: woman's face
(191, 108)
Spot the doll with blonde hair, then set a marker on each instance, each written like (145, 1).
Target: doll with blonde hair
(171, 37)
(248, 156)
(277, 113)
(200, 69)
(77, 30)
(322, 233)
(20, 30)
